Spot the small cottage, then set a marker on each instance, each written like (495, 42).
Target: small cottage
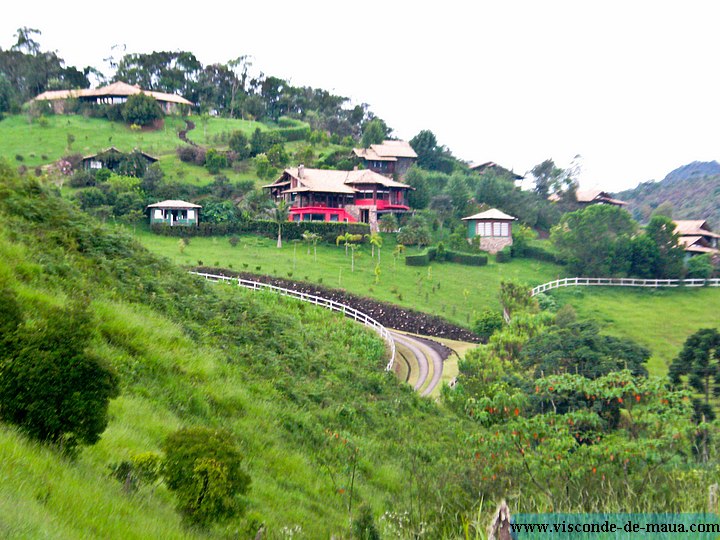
(134, 163)
(175, 213)
(493, 227)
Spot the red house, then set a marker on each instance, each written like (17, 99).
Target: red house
(343, 196)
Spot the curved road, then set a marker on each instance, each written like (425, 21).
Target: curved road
(423, 355)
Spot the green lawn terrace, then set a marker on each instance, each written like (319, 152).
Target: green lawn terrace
(39, 142)
(455, 292)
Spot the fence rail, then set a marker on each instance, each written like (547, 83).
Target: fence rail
(347, 311)
(624, 282)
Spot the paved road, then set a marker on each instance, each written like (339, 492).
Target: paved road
(423, 355)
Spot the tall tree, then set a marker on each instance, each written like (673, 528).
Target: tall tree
(661, 230)
(374, 132)
(699, 360)
(587, 239)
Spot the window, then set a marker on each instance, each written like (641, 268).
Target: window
(484, 228)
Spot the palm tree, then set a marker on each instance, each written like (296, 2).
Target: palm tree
(311, 238)
(399, 249)
(279, 214)
(376, 242)
(346, 239)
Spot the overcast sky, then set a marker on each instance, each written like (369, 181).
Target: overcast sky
(631, 86)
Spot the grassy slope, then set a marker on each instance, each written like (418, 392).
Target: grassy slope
(658, 319)
(275, 372)
(400, 284)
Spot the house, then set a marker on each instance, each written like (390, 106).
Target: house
(586, 197)
(391, 158)
(343, 196)
(111, 94)
(491, 166)
(174, 213)
(132, 164)
(493, 227)
(696, 237)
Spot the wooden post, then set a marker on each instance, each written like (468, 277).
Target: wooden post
(499, 528)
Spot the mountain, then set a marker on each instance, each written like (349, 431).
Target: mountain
(692, 191)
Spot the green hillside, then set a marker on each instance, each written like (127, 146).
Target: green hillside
(300, 389)
(661, 320)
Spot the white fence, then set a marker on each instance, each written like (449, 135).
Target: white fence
(348, 311)
(624, 282)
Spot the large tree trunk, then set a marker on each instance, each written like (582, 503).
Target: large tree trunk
(279, 242)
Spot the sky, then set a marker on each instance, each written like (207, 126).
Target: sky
(630, 86)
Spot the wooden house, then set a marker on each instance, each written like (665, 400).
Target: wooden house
(343, 196)
(391, 158)
(493, 227)
(113, 159)
(586, 197)
(174, 213)
(697, 238)
(112, 94)
(492, 167)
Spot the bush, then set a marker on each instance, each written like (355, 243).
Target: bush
(240, 144)
(214, 161)
(191, 154)
(203, 467)
(700, 267)
(50, 386)
(504, 255)
(141, 109)
(470, 259)
(423, 259)
(488, 323)
(82, 179)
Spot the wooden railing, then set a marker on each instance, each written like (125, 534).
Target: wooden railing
(624, 282)
(348, 311)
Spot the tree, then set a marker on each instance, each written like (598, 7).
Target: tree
(374, 132)
(311, 238)
(388, 223)
(204, 468)
(587, 239)
(239, 144)
(487, 323)
(51, 386)
(699, 360)
(431, 156)
(279, 214)
(141, 109)
(662, 231)
(700, 267)
(376, 241)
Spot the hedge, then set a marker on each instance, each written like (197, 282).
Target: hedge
(329, 231)
(290, 134)
(431, 254)
(540, 254)
(479, 259)
(423, 259)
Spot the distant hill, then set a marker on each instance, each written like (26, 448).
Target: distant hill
(692, 190)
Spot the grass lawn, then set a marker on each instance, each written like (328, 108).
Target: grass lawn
(661, 319)
(208, 133)
(39, 145)
(450, 290)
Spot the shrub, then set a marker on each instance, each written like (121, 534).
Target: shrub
(488, 323)
(240, 144)
(700, 267)
(51, 387)
(480, 259)
(203, 467)
(82, 179)
(214, 161)
(504, 255)
(141, 109)
(422, 259)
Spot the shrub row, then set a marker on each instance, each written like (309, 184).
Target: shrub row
(431, 254)
(291, 230)
(289, 134)
(537, 253)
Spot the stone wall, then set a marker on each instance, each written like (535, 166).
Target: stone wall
(354, 211)
(493, 244)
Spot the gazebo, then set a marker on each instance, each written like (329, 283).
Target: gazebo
(175, 213)
(493, 227)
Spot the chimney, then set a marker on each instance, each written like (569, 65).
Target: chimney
(301, 171)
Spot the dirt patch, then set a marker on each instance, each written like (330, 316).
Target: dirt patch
(183, 134)
(390, 315)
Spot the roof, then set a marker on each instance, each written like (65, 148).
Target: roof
(118, 88)
(596, 195)
(117, 151)
(693, 227)
(387, 151)
(482, 167)
(173, 204)
(327, 181)
(493, 213)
